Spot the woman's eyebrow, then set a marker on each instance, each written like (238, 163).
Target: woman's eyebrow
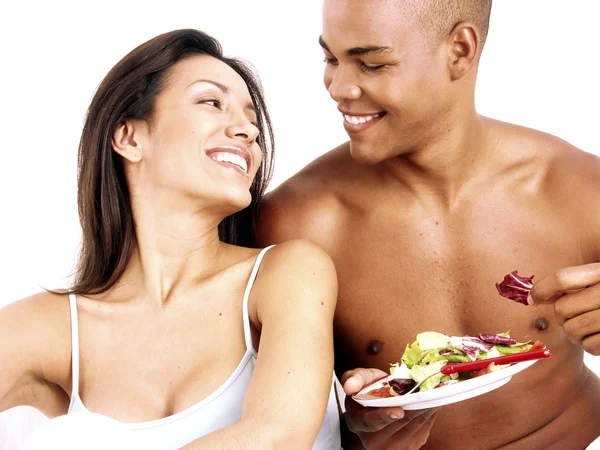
(218, 85)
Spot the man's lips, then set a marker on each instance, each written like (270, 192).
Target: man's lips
(355, 123)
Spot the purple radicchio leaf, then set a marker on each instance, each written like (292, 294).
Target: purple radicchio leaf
(402, 385)
(497, 339)
(471, 346)
(515, 287)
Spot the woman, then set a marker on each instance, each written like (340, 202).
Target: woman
(161, 326)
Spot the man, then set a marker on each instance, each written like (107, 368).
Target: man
(426, 208)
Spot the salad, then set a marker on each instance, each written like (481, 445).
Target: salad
(515, 287)
(431, 351)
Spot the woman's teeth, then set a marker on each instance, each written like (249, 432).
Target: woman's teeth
(231, 158)
(355, 120)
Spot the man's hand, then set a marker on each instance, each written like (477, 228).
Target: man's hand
(575, 292)
(384, 428)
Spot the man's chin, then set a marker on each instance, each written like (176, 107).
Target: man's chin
(363, 153)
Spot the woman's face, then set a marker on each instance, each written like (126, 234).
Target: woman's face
(200, 143)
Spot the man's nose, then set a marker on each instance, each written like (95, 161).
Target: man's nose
(343, 86)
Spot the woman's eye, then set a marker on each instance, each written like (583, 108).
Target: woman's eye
(211, 102)
(371, 67)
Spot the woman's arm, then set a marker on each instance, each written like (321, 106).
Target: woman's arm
(34, 337)
(292, 301)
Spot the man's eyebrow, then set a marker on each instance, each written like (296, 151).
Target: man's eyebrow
(355, 51)
(368, 50)
(225, 90)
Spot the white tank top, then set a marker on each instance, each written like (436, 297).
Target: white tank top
(220, 409)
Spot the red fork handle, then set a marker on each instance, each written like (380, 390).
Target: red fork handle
(507, 359)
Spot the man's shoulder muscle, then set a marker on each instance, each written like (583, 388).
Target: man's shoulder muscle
(308, 205)
(571, 183)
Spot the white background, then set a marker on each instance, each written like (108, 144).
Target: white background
(539, 69)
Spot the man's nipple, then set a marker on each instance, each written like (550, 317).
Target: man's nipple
(374, 347)
(541, 324)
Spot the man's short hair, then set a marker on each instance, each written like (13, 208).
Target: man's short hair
(439, 17)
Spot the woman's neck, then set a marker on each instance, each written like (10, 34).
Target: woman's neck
(175, 246)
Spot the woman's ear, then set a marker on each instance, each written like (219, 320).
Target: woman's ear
(128, 139)
(463, 44)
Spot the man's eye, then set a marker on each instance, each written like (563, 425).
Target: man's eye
(331, 61)
(371, 67)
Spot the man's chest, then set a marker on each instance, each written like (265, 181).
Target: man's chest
(399, 276)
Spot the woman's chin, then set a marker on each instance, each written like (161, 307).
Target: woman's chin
(236, 201)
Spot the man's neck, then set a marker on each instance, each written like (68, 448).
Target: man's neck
(445, 167)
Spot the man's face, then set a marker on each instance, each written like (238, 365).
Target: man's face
(388, 81)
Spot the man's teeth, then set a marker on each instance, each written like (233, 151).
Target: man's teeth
(231, 158)
(355, 120)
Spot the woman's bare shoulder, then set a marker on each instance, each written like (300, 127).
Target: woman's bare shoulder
(297, 269)
(39, 326)
(43, 308)
(299, 255)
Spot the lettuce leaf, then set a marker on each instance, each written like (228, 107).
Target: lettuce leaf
(420, 372)
(431, 340)
(412, 354)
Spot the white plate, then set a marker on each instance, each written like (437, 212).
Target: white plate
(444, 395)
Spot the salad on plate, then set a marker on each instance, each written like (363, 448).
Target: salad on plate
(431, 351)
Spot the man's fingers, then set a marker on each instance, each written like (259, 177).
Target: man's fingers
(591, 344)
(363, 419)
(354, 380)
(411, 432)
(575, 304)
(582, 326)
(420, 437)
(568, 279)
(411, 422)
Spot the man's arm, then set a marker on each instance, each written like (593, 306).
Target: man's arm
(575, 291)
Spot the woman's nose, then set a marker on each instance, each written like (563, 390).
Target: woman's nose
(242, 128)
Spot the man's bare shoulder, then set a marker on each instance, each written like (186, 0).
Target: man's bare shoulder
(564, 165)
(310, 203)
(569, 169)
(568, 178)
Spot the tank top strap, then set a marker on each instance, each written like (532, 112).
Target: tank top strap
(246, 316)
(74, 347)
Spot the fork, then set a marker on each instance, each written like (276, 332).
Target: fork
(483, 363)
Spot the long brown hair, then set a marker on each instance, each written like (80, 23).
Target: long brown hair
(129, 92)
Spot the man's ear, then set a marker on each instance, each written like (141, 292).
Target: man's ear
(128, 139)
(464, 47)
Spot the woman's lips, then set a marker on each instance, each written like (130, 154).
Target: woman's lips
(232, 157)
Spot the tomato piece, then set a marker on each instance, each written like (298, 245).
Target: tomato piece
(383, 392)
